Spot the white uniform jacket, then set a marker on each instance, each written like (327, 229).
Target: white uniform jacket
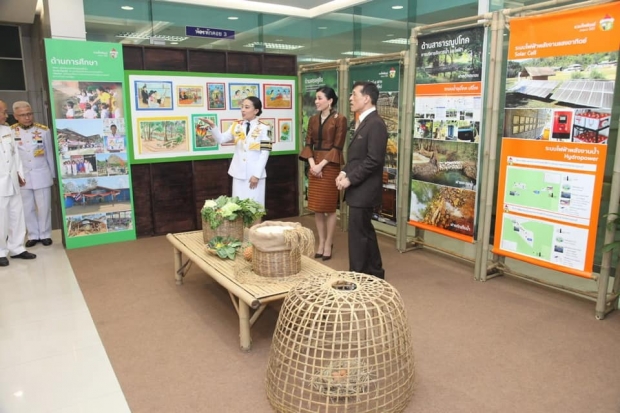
(251, 152)
(10, 163)
(37, 153)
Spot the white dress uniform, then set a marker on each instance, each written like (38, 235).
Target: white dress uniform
(250, 157)
(11, 209)
(37, 154)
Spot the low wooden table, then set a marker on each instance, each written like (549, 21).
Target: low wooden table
(245, 296)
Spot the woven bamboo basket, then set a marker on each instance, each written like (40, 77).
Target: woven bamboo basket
(278, 246)
(233, 229)
(342, 344)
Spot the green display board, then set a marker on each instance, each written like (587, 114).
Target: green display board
(386, 76)
(94, 175)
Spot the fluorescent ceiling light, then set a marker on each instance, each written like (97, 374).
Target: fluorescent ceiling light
(280, 46)
(233, 18)
(361, 54)
(314, 60)
(127, 8)
(322, 27)
(397, 7)
(146, 36)
(261, 7)
(400, 40)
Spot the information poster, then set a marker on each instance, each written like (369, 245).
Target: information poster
(169, 109)
(87, 101)
(446, 132)
(310, 82)
(387, 78)
(559, 93)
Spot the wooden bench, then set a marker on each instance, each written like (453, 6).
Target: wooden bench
(249, 298)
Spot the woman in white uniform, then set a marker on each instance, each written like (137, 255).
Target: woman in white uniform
(252, 148)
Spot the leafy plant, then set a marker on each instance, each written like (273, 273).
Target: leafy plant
(215, 211)
(225, 247)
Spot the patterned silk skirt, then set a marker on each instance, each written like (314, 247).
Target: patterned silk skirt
(322, 192)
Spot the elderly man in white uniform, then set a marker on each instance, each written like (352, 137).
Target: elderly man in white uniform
(34, 142)
(252, 148)
(12, 224)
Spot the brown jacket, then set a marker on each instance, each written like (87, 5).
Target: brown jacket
(330, 137)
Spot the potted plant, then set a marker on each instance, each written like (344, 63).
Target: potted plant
(224, 247)
(226, 216)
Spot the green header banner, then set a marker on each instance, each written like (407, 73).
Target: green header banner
(94, 175)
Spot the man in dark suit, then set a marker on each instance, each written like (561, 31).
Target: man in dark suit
(362, 179)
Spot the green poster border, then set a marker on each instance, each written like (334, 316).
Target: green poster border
(201, 156)
(96, 239)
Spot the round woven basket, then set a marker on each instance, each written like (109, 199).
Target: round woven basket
(342, 344)
(232, 229)
(278, 246)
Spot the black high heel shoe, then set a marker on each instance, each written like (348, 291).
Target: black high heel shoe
(317, 255)
(328, 257)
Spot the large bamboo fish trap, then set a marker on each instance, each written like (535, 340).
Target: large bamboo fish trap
(342, 344)
(227, 228)
(278, 246)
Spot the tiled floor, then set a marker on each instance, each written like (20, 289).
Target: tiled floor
(51, 357)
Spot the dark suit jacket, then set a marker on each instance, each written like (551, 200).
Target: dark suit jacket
(365, 160)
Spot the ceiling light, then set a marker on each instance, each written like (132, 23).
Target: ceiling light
(400, 40)
(233, 18)
(313, 60)
(361, 54)
(127, 8)
(322, 27)
(279, 40)
(174, 42)
(146, 36)
(397, 7)
(389, 35)
(281, 46)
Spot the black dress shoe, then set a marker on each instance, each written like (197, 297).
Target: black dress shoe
(327, 257)
(4, 261)
(318, 255)
(47, 242)
(31, 243)
(25, 255)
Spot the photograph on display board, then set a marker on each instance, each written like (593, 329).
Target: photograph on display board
(80, 225)
(97, 195)
(202, 137)
(153, 95)
(87, 100)
(284, 130)
(111, 164)
(190, 96)
(119, 221)
(79, 166)
(237, 92)
(387, 106)
(271, 122)
(451, 56)
(216, 94)
(450, 209)
(225, 125)
(277, 96)
(162, 135)
(446, 163)
(79, 137)
(526, 123)
(114, 141)
(118, 123)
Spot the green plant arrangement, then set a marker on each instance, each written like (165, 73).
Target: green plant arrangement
(215, 211)
(224, 247)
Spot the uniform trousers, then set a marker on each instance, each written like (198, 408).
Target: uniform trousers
(12, 225)
(241, 189)
(364, 254)
(38, 212)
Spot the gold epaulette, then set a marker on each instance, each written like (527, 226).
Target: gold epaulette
(15, 126)
(40, 126)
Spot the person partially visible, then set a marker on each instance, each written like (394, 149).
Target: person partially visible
(89, 113)
(34, 143)
(4, 113)
(12, 225)
(362, 179)
(252, 149)
(70, 112)
(327, 132)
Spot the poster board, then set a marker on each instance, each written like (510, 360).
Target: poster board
(446, 132)
(89, 130)
(166, 122)
(559, 93)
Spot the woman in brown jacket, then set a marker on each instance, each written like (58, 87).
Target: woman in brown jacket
(327, 131)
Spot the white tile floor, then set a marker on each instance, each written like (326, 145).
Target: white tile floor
(51, 357)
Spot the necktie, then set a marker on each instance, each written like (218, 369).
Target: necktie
(247, 128)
